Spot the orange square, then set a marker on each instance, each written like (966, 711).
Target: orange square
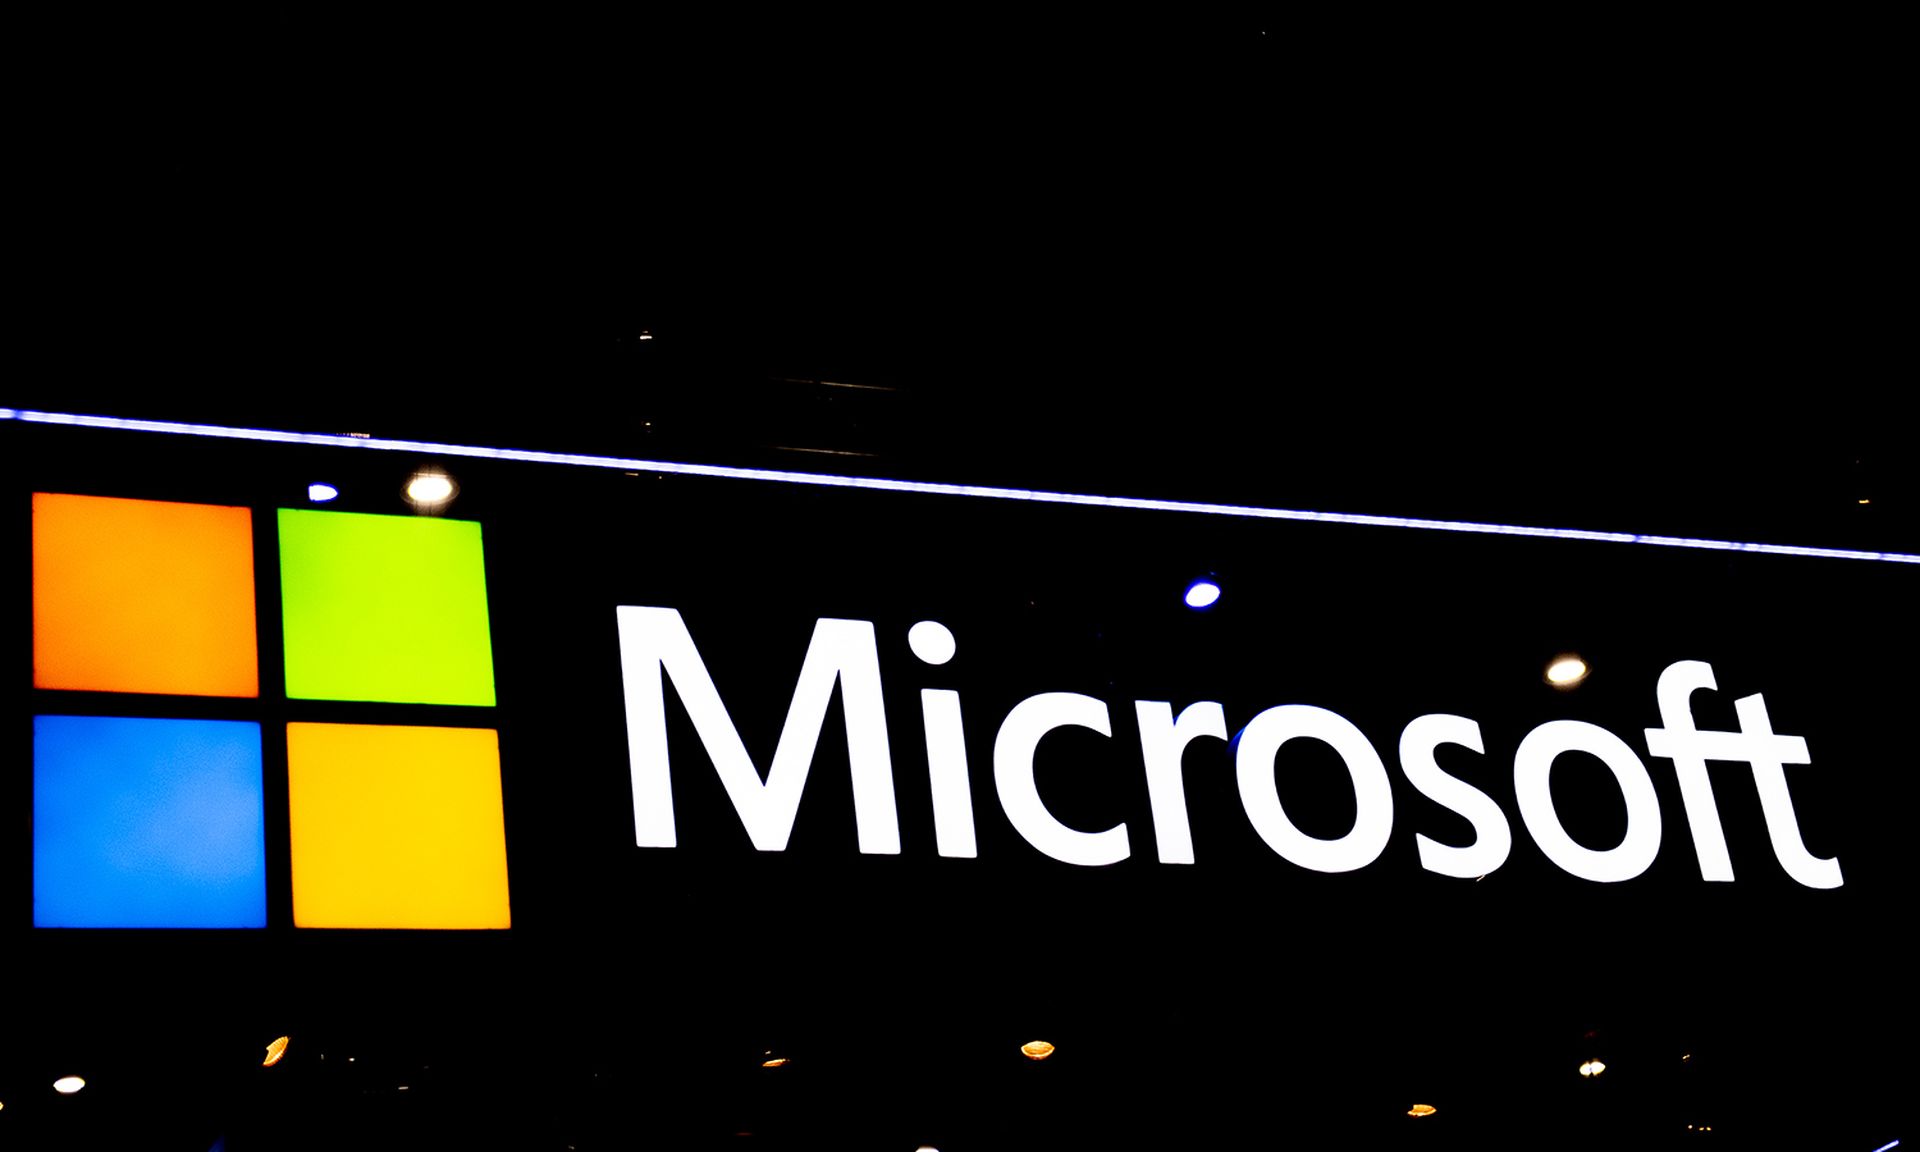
(143, 596)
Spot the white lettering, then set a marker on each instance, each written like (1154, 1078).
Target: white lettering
(841, 651)
(1260, 741)
(1493, 837)
(1533, 762)
(1013, 749)
(1162, 740)
(655, 647)
(947, 773)
(1755, 744)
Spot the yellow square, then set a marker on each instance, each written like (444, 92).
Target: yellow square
(396, 827)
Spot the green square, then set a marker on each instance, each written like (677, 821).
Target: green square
(390, 609)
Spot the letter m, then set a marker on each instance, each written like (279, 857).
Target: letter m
(652, 639)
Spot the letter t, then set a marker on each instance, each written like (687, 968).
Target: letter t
(1757, 745)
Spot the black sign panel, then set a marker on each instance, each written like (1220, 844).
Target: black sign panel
(1379, 858)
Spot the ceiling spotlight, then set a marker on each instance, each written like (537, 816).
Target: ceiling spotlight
(1592, 1068)
(1202, 593)
(430, 489)
(1566, 671)
(68, 1085)
(321, 493)
(1036, 1049)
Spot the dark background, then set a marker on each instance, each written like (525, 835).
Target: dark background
(1626, 278)
(1598, 273)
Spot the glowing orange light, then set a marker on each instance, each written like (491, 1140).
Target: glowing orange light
(1036, 1049)
(275, 1051)
(776, 1062)
(1422, 1110)
(143, 596)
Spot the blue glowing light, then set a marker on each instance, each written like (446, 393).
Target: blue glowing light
(321, 493)
(1884, 1147)
(148, 823)
(429, 448)
(1202, 594)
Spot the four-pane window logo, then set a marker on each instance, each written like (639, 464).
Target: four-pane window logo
(149, 805)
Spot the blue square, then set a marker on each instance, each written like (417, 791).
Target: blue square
(148, 823)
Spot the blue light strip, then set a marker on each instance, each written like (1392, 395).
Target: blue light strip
(1884, 1147)
(328, 440)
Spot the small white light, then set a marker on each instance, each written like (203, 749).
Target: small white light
(321, 493)
(1202, 593)
(430, 488)
(1592, 1068)
(1566, 671)
(68, 1085)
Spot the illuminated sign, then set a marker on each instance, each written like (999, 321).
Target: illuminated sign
(255, 715)
(158, 821)
(656, 647)
(150, 821)
(775, 766)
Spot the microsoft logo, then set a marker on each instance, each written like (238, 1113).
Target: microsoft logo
(149, 804)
